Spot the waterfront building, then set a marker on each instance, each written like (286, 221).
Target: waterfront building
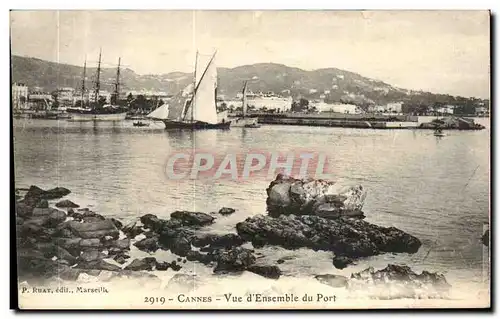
(149, 94)
(337, 108)
(65, 96)
(447, 109)
(102, 93)
(19, 95)
(395, 107)
(481, 111)
(40, 100)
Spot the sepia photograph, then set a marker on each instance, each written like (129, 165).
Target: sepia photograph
(245, 159)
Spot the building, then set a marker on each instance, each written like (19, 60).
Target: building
(102, 93)
(337, 108)
(65, 96)
(149, 94)
(481, 110)
(40, 100)
(395, 107)
(19, 95)
(447, 109)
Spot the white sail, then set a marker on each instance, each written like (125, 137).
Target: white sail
(160, 113)
(203, 107)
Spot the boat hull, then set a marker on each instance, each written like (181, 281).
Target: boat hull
(86, 117)
(245, 122)
(196, 125)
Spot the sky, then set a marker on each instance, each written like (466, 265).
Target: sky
(437, 51)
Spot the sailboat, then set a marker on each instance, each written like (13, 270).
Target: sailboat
(195, 106)
(96, 111)
(245, 121)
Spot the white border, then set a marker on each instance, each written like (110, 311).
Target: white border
(183, 4)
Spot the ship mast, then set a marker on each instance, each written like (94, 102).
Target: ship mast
(117, 83)
(97, 81)
(83, 82)
(194, 85)
(244, 99)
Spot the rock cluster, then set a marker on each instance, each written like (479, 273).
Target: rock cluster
(180, 234)
(314, 214)
(397, 281)
(287, 195)
(348, 238)
(64, 244)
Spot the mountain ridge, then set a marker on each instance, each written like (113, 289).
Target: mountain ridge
(332, 84)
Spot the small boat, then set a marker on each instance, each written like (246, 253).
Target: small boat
(252, 125)
(195, 107)
(439, 132)
(139, 123)
(245, 120)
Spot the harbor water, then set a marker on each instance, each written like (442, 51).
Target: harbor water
(436, 189)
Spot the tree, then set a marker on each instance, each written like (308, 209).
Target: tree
(300, 106)
(55, 103)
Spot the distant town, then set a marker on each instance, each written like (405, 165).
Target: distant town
(36, 99)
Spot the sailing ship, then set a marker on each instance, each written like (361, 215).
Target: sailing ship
(245, 120)
(97, 110)
(195, 106)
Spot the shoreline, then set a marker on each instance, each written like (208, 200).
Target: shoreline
(146, 271)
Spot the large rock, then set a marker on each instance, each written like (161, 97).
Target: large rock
(178, 240)
(335, 281)
(142, 264)
(341, 262)
(132, 230)
(148, 244)
(117, 223)
(23, 210)
(91, 255)
(152, 222)
(226, 211)
(55, 193)
(44, 211)
(486, 238)
(90, 243)
(96, 229)
(56, 217)
(217, 241)
(32, 263)
(97, 264)
(65, 203)
(62, 253)
(287, 195)
(397, 281)
(347, 237)
(272, 272)
(43, 203)
(183, 283)
(192, 218)
(235, 259)
(67, 273)
(35, 194)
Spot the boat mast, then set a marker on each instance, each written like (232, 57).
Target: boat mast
(194, 86)
(117, 83)
(244, 99)
(83, 82)
(97, 81)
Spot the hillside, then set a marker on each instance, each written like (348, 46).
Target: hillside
(342, 85)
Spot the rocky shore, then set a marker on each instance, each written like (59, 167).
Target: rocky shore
(60, 240)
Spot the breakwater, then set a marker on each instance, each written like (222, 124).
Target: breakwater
(367, 121)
